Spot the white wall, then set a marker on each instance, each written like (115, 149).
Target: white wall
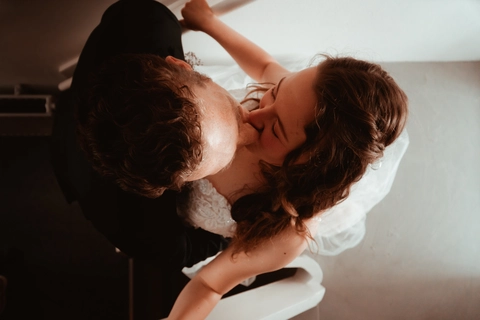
(380, 30)
(36, 37)
(420, 258)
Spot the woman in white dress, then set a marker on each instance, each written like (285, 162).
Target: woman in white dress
(320, 129)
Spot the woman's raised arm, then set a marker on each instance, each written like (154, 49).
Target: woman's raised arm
(203, 292)
(255, 61)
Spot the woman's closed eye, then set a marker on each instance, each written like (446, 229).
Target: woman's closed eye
(276, 88)
(274, 95)
(273, 130)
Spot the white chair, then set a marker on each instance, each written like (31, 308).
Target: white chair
(279, 300)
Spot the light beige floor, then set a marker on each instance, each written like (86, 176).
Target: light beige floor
(419, 259)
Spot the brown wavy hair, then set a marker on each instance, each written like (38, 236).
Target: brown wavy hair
(360, 110)
(139, 124)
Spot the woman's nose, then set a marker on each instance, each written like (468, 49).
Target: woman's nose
(258, 117)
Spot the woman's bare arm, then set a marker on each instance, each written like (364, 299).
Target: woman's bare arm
(204, 291)
(255, 61)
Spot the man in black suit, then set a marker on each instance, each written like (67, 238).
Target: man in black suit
(133, 38)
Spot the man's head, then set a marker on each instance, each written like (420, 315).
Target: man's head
(223, 121)
(152, 124)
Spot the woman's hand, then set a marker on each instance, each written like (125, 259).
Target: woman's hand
(196, 15)
(255, 61)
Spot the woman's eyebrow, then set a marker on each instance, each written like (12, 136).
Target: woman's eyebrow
(280, 123)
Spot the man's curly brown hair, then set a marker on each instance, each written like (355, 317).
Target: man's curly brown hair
(139, 125)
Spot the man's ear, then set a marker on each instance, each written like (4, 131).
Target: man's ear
(178, 62)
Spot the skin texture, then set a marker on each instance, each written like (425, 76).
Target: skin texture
(225, 272)
(284, 111)
(224, 125)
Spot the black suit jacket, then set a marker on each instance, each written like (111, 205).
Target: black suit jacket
(140, 227)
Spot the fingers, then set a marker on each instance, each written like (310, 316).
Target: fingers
(196, 14)
(183, 24)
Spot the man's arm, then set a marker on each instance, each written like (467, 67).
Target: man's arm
(255, 61)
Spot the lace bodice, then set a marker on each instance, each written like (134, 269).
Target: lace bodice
(207, 209)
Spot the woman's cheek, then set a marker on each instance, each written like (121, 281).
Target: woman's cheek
(272, 149)
(267, 141)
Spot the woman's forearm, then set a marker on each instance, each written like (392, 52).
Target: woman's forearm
(255, 61)
(195, 301)
(227, 270)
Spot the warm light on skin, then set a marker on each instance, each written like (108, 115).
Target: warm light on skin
(224, 128)
(284, 112)
(224, 125)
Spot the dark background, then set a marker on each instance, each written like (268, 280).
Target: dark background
(58, 266)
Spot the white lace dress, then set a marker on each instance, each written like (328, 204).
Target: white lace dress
(207, 209)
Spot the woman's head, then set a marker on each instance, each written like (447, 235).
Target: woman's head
(283, 113)
(300, 100)
(358, 110)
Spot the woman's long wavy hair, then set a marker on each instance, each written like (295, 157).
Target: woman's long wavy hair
(360, 110)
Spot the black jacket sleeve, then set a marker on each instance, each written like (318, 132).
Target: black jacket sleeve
(140, 227)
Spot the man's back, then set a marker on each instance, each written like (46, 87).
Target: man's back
(139, 226)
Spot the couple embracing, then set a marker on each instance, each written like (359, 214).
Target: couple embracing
(172, 169)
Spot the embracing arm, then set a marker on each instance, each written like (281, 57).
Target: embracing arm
(255, 61)
(204, 291)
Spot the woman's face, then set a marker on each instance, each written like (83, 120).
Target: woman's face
(284, 112)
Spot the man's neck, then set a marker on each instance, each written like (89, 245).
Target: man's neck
(242, 177)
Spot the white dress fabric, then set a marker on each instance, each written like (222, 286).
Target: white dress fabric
(207, 209)
(341, 227)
